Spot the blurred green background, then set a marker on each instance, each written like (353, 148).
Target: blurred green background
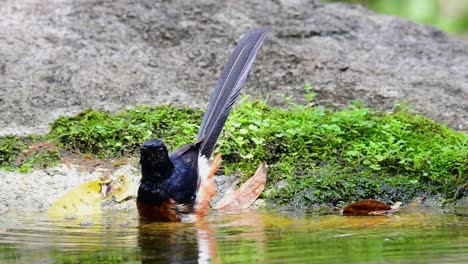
(449, 15)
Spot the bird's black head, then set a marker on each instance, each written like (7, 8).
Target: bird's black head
(154, 159)
(154, 145)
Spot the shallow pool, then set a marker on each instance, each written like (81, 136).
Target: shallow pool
(247, 237)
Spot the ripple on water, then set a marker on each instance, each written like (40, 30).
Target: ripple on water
(248, 237)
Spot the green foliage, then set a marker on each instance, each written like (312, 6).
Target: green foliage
(315, 155)
(354, 147)
(27, 153)
(109, 135)
(309, 95)
(318, 184)
(449, 15)
(10, 147)
(38, 156)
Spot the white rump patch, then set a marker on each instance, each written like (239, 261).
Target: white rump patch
(204, 168)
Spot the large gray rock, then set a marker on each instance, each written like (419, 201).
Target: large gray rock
(59, 57)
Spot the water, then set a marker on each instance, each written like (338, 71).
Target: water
(248, 237)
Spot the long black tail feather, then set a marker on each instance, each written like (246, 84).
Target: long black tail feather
(228, 88)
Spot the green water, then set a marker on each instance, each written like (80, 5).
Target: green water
(248, 237)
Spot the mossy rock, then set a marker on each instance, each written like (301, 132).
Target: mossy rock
(316, 156)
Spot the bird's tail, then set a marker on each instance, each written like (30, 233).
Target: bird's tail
(228, 88)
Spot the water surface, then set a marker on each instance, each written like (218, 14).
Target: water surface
(247, 237)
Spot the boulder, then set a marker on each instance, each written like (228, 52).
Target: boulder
(58, 57)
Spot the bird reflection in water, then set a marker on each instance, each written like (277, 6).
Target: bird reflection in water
(177, 243)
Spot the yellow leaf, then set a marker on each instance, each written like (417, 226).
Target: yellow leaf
(84, 199)
(121, 189)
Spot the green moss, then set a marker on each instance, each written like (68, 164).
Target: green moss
(316, 156)
(334, 185)
(108, 135)
(322, 156)
(39, 156)
(10, 147)
(27, 153)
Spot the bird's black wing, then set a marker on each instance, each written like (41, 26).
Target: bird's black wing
(184, 182)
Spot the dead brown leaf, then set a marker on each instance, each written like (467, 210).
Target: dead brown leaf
(246, 195)
(370, 207)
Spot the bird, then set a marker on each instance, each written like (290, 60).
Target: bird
(179, 186)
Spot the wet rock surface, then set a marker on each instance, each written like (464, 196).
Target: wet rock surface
(59, 57)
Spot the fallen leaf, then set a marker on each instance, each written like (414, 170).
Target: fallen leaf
(121, 189)
(84, 199)
(246, 195)
(370, 207)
